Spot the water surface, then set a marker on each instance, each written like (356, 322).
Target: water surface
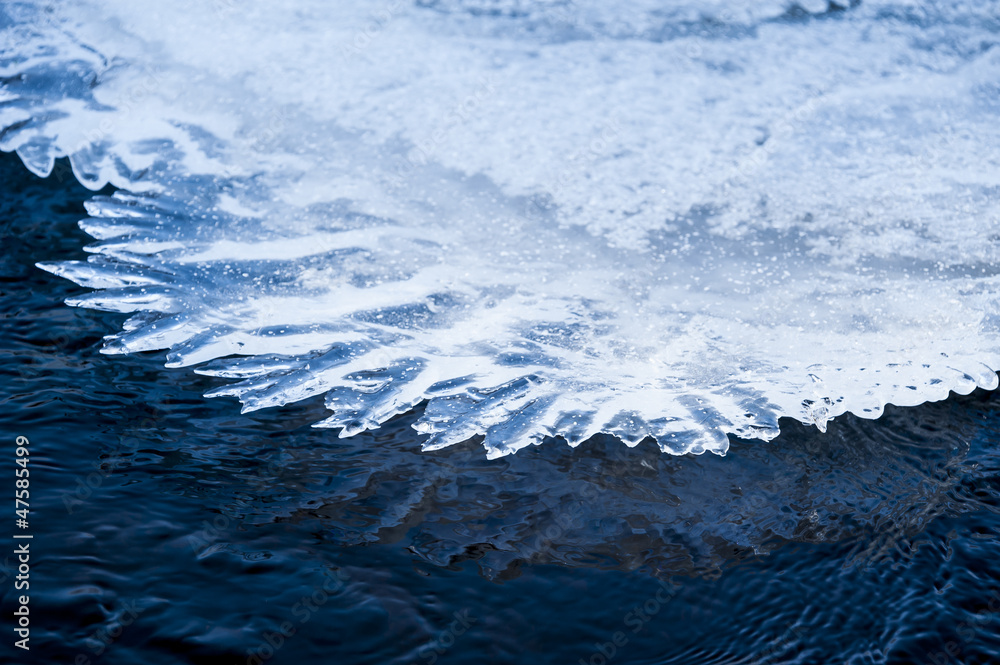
(206, 531)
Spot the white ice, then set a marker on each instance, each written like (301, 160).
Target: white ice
(682, 220)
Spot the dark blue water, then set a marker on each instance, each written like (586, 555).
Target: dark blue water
(167, 528)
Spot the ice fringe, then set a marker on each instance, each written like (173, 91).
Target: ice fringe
(676, 220)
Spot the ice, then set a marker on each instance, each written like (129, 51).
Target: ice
(678, 220)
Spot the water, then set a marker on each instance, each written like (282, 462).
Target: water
(680, 220)
(205, 530)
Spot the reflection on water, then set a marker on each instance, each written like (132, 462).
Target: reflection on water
(870, 485)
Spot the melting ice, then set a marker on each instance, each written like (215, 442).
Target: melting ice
(678, 220)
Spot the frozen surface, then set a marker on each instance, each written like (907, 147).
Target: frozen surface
(671, 219)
